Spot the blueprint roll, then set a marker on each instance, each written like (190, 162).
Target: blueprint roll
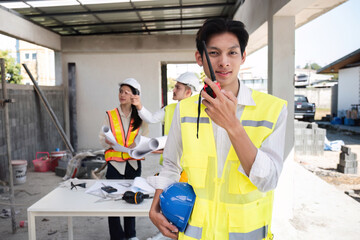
(157, 143)
(108, 134)
(110, 137)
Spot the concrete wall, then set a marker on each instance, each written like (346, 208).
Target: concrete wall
(31, 127)
(104, 61)
(349, 89)
(322, 97)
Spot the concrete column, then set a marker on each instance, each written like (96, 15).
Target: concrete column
(59, 81)
(281, 68)
(58, 68)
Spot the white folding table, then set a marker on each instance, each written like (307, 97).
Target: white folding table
(70, 203)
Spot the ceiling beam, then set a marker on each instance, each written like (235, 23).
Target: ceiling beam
(137, 31)
(132, 22)
(129, 10)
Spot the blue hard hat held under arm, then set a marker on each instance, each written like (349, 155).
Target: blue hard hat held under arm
(176, 203)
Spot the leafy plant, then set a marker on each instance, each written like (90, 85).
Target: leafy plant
(171, 84)
(12, 69)
(313, 66)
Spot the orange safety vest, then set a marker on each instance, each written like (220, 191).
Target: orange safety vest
(125, 140)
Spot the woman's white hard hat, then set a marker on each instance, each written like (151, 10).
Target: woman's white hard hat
(131, 82)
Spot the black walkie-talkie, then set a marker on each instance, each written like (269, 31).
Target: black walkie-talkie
(207, 88)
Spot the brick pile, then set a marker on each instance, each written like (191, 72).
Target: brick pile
(309, 139)
(347, 161)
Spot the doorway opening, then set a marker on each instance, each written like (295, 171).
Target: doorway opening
(170, 72)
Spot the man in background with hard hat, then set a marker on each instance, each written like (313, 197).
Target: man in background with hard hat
(231, 147)
(186, 84)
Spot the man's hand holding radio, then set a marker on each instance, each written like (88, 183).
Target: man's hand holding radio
(222, 109)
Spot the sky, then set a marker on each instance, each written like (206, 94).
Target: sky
(330, 36)
(323, 40)
(7, 43)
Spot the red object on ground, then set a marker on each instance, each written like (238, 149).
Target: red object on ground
(42, 164)
(55, 157)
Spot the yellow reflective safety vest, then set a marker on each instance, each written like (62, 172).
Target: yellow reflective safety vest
(123, 139)
(227, 206)
(169, 113)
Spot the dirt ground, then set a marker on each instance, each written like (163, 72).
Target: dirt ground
(326, 166)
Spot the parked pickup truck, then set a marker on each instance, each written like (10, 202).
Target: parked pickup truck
(303, 109)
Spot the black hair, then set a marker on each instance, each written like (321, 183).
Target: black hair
(187, 87)
(134, 112)
(214, 26)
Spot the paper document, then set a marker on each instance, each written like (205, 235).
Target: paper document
(96, 190)
(139, 185)
(144, 145)
(110, 137)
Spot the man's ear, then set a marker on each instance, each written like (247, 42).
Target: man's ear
(198, 58)
(243, 57)
(188, 92)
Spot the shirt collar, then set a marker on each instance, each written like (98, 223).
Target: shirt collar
(122, 114)
(244, 96)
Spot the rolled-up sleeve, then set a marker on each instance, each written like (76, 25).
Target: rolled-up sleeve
(269, 160)
(149, 117)
(171, 169)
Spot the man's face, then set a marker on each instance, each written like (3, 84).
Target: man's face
(180, 92)
(225, 56)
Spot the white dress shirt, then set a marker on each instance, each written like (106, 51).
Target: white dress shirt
(266, 169)
(149, 117)
(143, 131)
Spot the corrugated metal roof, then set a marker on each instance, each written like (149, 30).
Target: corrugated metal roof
(91, 17)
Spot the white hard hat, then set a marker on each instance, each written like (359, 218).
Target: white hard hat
(131, 82)
(189, 79)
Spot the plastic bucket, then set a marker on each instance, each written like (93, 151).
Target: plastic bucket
(55, 157)
(19, 171)
(42, 164)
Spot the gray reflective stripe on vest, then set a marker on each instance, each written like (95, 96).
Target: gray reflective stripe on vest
(194, 120)
(257, 234)
(194, 232)
(251, 123)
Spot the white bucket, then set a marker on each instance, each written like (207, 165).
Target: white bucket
(19, 171)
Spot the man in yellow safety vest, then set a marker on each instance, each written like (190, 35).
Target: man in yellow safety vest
(186, 84)
(231, 146)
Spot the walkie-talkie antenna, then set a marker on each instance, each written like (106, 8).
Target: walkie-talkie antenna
(207, 88)
(212, 74)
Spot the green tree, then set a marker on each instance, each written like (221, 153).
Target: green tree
(313, 66)
(171, 84)
(12, 68)
(335, 76)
